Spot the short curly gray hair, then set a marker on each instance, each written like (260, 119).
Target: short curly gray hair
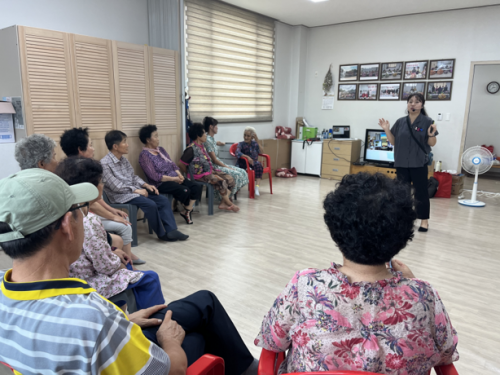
(33, 149)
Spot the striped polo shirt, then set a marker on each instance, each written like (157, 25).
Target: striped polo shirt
(64, 326)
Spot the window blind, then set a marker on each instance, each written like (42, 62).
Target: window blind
(229, 62)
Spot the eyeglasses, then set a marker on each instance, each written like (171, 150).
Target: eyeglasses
(84, 213)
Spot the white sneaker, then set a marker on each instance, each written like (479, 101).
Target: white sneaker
(257, 191)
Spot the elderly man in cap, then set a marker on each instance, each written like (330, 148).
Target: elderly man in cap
(50, 323)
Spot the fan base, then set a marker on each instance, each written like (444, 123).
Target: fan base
(468, 202)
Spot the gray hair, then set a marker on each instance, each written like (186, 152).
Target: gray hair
(33, 149)
(251, 129)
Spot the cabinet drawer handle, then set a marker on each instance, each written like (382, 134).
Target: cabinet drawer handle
(335, 170)
(335, 159)
(336, 148)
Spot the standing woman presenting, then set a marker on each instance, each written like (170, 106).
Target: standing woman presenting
(410, 136)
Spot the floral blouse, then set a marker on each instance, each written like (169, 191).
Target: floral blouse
(251, 150)
(396, 326)
(196, 156)
(155, 167)
(98, 265)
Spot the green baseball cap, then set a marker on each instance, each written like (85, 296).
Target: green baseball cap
(34, 198)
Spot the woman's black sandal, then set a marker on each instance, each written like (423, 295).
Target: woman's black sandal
(187, 216)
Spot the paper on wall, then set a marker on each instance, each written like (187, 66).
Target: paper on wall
(327, 102)
(6, 128)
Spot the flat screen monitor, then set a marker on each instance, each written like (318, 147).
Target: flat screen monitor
(378, 149)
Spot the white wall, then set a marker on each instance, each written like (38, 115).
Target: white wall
(467, 35)
(123, 20)
(286, 90)
(484, 112)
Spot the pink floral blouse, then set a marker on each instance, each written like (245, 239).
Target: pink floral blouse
(98, 265)
(394, 326)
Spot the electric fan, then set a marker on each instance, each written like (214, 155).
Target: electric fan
(476, 160)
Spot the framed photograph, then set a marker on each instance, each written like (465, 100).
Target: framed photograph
(412, 88)
(369, 72)
(416, 69)
(347, 92)
(441, 69)
(389, 91)
(367, 91)
(391, 71)
(348, 72)
(439, 90)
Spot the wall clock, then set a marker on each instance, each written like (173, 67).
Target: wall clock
(493, 87)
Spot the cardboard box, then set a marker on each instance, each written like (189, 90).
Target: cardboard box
(280, 151)
(457, 184)
(299, 121)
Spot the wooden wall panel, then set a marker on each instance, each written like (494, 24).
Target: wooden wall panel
(47, 81)
(131, 73)
(92, 69)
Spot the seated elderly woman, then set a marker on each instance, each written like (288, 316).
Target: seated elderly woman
(164, 174)
(239, 175)
(36, 151)
(250, 150)
(362, 315)
(195, 157)
(109, 273)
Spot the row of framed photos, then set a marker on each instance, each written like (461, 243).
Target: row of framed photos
(393, 91)
(435, 69)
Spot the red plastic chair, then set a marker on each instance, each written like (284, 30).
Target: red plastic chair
(251, 173)
(207, 365)
(270, 362)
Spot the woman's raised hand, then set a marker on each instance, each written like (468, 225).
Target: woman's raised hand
(384, 124)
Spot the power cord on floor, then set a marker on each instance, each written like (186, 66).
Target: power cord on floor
(480, 193)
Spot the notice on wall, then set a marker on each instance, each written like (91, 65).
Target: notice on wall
(327, 102)
(6, 128)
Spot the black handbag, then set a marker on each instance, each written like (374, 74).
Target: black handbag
(432, 187)
(429, 157)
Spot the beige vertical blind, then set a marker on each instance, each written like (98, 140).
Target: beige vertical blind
(230, 62)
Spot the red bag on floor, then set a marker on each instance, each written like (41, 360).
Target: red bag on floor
(444, 188)
(286, 173)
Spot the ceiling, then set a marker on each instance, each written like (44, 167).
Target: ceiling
(307, 13)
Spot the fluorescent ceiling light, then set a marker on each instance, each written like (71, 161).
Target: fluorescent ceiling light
(318, 1)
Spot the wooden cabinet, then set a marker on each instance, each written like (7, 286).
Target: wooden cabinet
(389, 172)
(92, 68)
(47, 83)
(132, 86)
(338, 157)
(70, 80)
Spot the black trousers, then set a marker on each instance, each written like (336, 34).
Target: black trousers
(184, 192)
(208, 330)
(417, 176)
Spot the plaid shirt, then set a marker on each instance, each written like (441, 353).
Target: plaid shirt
(120, 180)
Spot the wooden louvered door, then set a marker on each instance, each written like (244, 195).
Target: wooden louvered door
(47, 82)
(164, 75)
(94, 84)
(132, 91)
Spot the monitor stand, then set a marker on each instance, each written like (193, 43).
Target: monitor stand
(383, 165)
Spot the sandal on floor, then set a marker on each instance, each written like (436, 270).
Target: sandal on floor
(187, 217)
